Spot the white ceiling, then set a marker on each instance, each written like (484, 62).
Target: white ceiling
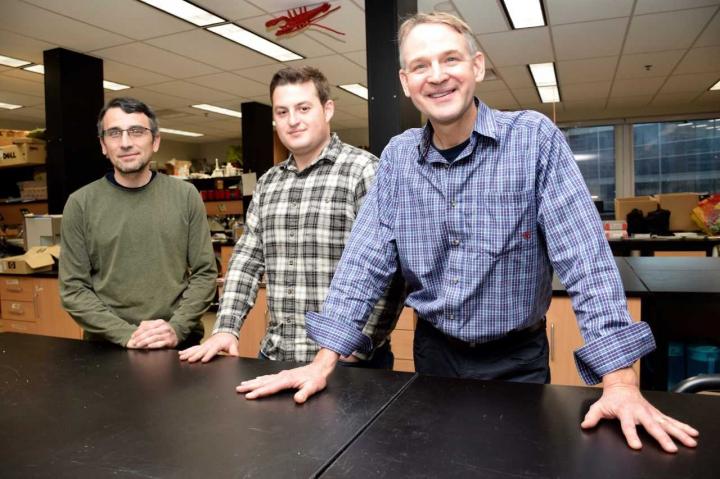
(615, 58)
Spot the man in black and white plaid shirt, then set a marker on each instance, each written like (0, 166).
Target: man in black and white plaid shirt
(296, 227)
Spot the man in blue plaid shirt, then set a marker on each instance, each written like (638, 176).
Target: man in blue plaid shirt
(477, 210)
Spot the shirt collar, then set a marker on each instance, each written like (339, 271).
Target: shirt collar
(330, 154)
(485, 125)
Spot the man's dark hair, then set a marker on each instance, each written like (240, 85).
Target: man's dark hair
(294, 76)
(128, 105)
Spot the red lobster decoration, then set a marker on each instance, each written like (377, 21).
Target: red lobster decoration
(298, 19)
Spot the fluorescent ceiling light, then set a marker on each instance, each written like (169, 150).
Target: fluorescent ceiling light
(524, 13)
(549, 94)
(543, 74)
(255, 42)
(585, 156)
(36, 69)
(180, 132)
(111, 85)
(9, 106)
(187, 11)
(356, 89)
(716, 86)
(689, 123)
(13, 62)
(217, 109)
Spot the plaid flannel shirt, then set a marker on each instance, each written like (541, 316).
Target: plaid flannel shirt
(295, 232)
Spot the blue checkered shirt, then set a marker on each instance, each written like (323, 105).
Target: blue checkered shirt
(477, 240)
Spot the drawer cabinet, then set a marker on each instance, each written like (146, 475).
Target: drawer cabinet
(31, 305)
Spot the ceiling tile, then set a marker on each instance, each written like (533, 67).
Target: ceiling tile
(629, 101)
(518, 47)
(338, 70)
(341, 97)
(697, 83)
(346, 21)
(494, 85)
(206, 47)
(16, 98)
(516, 76)
(666, 31)
(584, 91)
(711, 35)
(590, 39)
(483, 16)
(636, 87)
(357, 110)
(675, 98)
(156, 60)
(191, 92)
(586, 70)
(701, 60)
(156, 100)
(502, 99)
(572, 11)
(711, 98)
(22, 47)
(129, 75)
(299, 43)
(235, 10)
(662, 63)
(129, 18)
(49, 27)
(25, 75)
(526, 96)
(653, 6)
(17, 85)
(580, 105)
(231, 83)
(359, 57)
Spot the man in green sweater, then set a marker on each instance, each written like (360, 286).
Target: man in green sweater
(137, 266)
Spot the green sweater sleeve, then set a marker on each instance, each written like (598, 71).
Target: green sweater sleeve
(201, 287)
(78, 297)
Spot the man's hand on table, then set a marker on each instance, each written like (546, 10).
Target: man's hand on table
(153, 334)
(218, 342)
(308, 379)
(622, 399)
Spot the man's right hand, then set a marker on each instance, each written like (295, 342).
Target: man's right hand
(218, 342)
(309, 379)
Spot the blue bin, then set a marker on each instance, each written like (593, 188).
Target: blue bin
(676, 364)
(703, 359)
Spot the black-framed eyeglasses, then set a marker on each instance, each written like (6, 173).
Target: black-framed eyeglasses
(133, 132)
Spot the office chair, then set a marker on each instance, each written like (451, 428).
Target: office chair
(701, 382)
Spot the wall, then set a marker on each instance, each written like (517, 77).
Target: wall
(179, 150)
(354, 136)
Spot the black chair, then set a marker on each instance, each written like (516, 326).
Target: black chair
(701, 382)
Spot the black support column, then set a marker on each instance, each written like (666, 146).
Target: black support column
(389, 111)
(73, 98)
(257, 137)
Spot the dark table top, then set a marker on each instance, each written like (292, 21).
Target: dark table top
(678, 275)
(450, 428)
(631, 283)
(78, 409)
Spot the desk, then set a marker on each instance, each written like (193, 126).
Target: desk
(648, 246)
(683, 305)
(448, 428)
(78, 409)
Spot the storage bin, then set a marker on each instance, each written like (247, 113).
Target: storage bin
(703, 359)
(676, 364)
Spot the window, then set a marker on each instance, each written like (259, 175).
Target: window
(594, 150)
(678, 156)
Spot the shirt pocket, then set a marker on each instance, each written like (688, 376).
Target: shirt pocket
(505, 222)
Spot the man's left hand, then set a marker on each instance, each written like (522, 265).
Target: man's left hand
(621, 399)
(153, 334)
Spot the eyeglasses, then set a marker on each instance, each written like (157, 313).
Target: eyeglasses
(133, 132)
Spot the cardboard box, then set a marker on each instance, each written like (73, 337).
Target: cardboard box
(33, 190)
(623, 206)
(680, 206)
(23, 151)
(36, 260)
(42, 230)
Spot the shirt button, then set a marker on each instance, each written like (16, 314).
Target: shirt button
(292, 235)
(290, 291)
(455, 242)
(453, 203)
(291, 262)
(455, 280)
(451, 316)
